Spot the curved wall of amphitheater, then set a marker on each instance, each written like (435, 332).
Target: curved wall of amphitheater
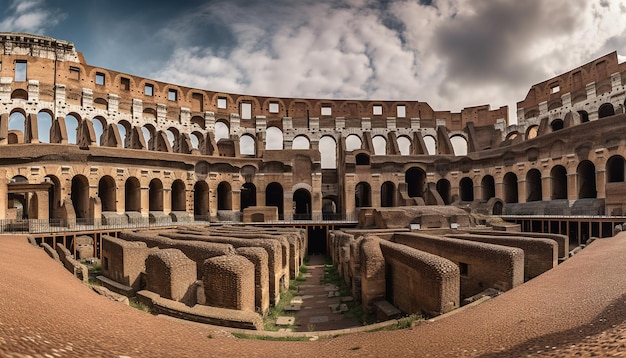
(79, 142)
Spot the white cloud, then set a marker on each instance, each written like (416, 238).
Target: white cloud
(451, 54)
(31, 16)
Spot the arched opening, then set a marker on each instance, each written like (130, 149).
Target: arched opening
(18, 202)
(363, 195)
(201, 201)
(173, 137)
(71, 125)
(380, 145)
(248, 195)
(328, 152)
(273, 138)
(155, 195)
(558, 180)
(556, 125)
(125, 129)
(195, 138)
(179, 196)
(353, 142)
(415, 179)
(19, 94)
(586, 180)
(17, 127)
(301, 142)
(247, 145)
(107, 193)
(606, 110)
(54, 196)
(99, 124)
(443, 188)
(431, 145)
(404, 145)
(615, 169)
(388, 195)
(531, 132)
(584, 116)
(224, 196)
(221, 131)
(302, 204)
(44, 124)
(533, 185)
(466, 188)
(80, 196)
(274, 197)
(459, 145)
(132, 195)
(509, 184)
(329, 207)
(488, 187)
(362, 159)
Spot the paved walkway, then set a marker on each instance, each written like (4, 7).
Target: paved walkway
(577, 308)
(315, 313)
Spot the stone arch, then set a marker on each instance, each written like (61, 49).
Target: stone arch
(179, 196)
(274, 197)
(17, 126)
(149, 133)
(363, 195)
(125, 130)
(488, 187)
(415, 179)
(362, 159)
(353, 142)
(132, 195)
(558, 181)
(173, 137)
(107, 191)
(44, 125)
(302, 204)
(328, 152)
(586, 173)
(443, 188)
(224, 196)
(556, 124)
(459, 144)
(404, 145)
(198, 121)
(509, 184)
(197, 140)
(274, 138)
(533, 185)
(615, 169)
(101, 103)
(80, 196)
(222, 130)
(329, 207)
(54, 196)
(19, 94)
(155, 196)
(301, 142)
(72, 123)
(532, 131)
(584, 116)
(466, 189)
(380, 145)
(606, 110)
(99, 124)
(247, 197)
(201, 201)
(512, 135)
(388, 194)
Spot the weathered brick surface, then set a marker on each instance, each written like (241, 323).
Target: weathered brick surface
(171, 274)
(229, 282)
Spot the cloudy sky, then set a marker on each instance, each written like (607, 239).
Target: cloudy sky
(449, 53)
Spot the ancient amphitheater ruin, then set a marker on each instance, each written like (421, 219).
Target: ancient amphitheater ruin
(205, 204)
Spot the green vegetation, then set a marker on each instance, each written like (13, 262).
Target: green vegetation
(270, 338)
(138, 305)
(269, 321)
(355, 310)
(404, 322)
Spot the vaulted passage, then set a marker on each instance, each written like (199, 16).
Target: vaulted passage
(488, 187)
(533, 185)
(80, 196)
(559, 182)
(248, 196)
(156, 195)
(107, 193)
(132, 195)
(302, 204)
(415, 179)
(510, 188)
(363, 195)
(615, 169)
(224, 196)
(274, 197)
(466, 187)
(443, 188)
(586, 180)
(201, 201)
(388, 194)
(179, 196)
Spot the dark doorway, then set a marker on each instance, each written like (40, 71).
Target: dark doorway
(317, 240)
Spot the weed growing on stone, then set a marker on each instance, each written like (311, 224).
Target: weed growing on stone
(138, 305)
(269, 321)
(270, 338)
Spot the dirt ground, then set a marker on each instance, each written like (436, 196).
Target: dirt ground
(576, 309)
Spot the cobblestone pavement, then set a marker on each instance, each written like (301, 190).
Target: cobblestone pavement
(579, 309)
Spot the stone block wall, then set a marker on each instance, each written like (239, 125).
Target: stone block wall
(171, 274)
(229, 282)
(123, 261)
(373, 279)
(258, 256)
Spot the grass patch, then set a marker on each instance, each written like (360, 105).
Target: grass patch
(270, 338)
(138, 305)
(403, 323)
(355, 309)
(269, 321)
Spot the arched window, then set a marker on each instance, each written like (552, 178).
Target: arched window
(363, 195)
(201, 201)
(459, 144)
(247, 196)
(556, 125)
(510, 188)
(98, 127)
(44, 124)
(328, 151)
(155, 195)
(533, 185)
(302, 204)
(388, 194)
(606, 110)
(380, 145)
(415, 179)
(107, 193)
(80, 196)
(531, 132)
(221, 131)
(558, 182)
(443, 188)
(179, 196)
(353, 142)
(488, 187)
(71, 125)
(615, 169)
(273, 138)
(247, 145)
(404, 145)
(301, 142)
(132, 195)
(586, 180)
(224, 196)
(466, 187)
(274, 197)
(431, 145)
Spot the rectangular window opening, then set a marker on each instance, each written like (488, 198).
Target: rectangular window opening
(20, 71)
(148, 90)
(221, 102)
(100, 78)
(463, 269)
(74, 73)
(125, 83)
(246, 110)
(556, 89)
(273, 107)
(377, 110)
(401, 111)
(327, 111)
(172, 94)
